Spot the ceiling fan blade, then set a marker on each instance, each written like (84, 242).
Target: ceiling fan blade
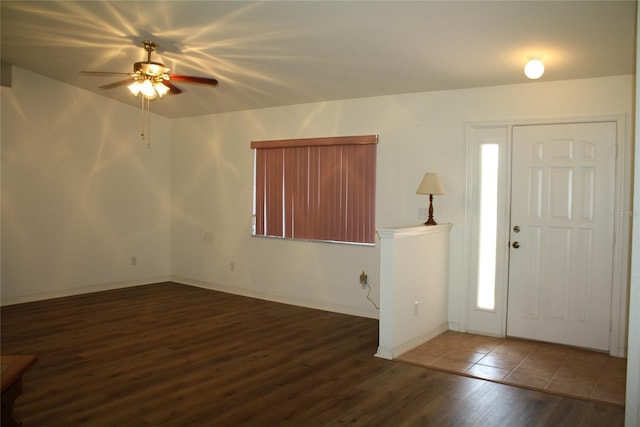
(117, 84)
(192, 79)
(172, 88)
(104, 73)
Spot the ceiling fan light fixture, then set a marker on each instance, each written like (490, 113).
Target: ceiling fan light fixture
(134, 88)
(534, 69)
(161, 89)
(147, 90)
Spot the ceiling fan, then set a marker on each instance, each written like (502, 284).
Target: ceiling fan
(151, 79)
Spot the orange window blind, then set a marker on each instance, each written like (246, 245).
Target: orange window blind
(317, 189)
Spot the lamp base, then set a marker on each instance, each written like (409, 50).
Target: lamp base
(431, 221)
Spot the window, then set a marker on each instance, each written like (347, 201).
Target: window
(489, 155)
(316, 189)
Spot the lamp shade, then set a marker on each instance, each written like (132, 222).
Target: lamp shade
(430, 184)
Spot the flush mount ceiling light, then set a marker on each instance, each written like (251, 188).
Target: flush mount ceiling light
(534, 69)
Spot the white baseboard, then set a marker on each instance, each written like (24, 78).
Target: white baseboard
(455, 326)
(486, 334)
(371, 314)
(80, 290)
(391, 353)
(384, 353)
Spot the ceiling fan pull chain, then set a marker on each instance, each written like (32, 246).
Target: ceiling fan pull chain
(142, 111)
(148, 123)
(146, 136)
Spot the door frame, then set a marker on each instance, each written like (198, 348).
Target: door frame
(493, 322)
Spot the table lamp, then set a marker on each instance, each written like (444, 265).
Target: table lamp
(430, 185)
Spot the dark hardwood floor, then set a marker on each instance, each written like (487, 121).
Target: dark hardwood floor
(175, 355)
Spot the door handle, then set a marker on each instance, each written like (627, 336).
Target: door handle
(515, 245)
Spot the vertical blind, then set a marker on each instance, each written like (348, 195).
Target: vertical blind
(319, 188)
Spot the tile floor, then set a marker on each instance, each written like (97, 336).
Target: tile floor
(552, 368)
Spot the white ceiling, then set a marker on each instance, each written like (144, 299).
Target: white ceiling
(272, 53)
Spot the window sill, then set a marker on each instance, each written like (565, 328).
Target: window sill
(338, 242)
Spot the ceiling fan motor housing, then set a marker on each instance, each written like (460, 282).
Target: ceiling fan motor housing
(150, 68)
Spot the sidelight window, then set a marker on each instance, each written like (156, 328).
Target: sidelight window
(489, 156)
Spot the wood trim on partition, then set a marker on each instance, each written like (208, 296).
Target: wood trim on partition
(308, 142)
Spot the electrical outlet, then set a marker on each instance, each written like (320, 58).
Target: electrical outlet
(363, 278)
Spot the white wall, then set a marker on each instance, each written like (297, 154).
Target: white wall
(81, 194)
(414, 284)
(212, 183)
(632, 413)
(632, 404)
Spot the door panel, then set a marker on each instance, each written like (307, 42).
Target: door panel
(563, 182)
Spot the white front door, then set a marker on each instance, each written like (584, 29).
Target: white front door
(561, 238)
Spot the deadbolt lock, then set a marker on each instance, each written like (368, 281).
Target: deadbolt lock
(516, 229)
